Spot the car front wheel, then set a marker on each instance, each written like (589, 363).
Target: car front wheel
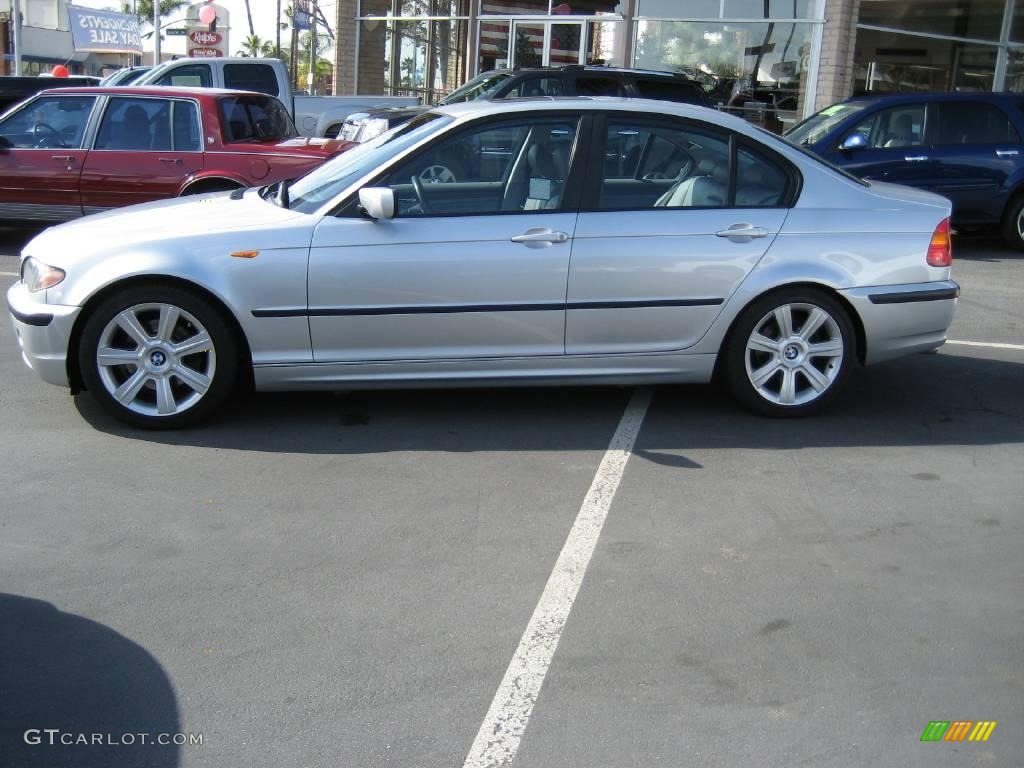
(158, 356)
(790, 353)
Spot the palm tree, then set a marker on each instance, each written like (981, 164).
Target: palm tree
(255, 46)
(248, 12)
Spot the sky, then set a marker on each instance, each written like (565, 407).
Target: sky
(264, 17)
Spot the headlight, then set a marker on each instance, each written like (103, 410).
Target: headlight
(373, 128)
(38, 276)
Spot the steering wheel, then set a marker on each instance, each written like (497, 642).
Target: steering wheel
(437, 174)
(421, 198)
(40, 140)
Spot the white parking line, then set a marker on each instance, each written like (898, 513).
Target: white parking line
(990, 344)
(497, 741)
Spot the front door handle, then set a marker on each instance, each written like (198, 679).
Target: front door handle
(69, 159)
(1007, 153)
(540, 237)
(915, 158)
(743, 231)
(175, 160)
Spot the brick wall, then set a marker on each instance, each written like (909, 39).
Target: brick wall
(835, 71)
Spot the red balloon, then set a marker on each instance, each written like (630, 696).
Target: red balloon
(60, 71)
(207, 14)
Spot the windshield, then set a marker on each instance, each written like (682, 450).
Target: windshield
(330, 179)
(253, 118)
(477, 88)
(817, 126)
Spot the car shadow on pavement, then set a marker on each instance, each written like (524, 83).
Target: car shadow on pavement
(64, 672)
(934, 399)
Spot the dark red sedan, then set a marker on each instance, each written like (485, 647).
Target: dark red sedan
(74, 151)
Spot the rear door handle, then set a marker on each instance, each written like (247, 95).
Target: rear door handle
(1007, 153)
(915, 158)
(541, 237)
(743, 231)
(175, 160)
(65, 158)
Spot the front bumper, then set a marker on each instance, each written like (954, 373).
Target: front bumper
(43, 332)
(904, 319)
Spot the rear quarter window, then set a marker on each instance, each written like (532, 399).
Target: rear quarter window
(260, 78)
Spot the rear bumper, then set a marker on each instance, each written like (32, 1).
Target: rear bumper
(43, 332)
(904, 319)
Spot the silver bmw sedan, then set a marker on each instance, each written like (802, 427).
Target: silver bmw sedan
(517, 242)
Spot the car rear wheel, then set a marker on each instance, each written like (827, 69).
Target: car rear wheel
(790, 353)
(158, 356)
(1013, 224)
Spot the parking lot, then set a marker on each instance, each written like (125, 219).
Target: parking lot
(342, 579)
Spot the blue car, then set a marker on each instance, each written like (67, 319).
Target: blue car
(964, 146)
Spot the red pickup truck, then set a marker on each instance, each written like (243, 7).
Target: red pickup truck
(74, 151)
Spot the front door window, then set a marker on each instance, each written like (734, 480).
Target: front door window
(49, 122)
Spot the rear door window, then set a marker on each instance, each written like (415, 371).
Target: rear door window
(536, 86)
(665, 89)
(135, 124)
(251, 77)
(972, 123)
(599, 85)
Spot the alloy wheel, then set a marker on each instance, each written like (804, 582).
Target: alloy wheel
(794, 354)
(156, 359)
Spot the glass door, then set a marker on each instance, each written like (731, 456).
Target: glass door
(546, 43)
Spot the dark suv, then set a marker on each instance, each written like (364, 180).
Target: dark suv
(14, 90)
(571, 80)
(965, 146)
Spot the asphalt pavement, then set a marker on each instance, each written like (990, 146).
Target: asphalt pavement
(342, 579)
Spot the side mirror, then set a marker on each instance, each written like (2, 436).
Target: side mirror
(378, 202)
(853, 141)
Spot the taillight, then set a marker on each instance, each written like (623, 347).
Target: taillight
(940, 249)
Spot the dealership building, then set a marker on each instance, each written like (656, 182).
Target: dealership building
(780, 58)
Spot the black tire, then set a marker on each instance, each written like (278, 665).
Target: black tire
(1008, 226)
(833, 368)
(209, 188)
(216, 363)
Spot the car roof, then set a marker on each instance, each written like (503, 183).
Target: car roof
(886, 98)
(483, 107)
(595, 68)
(152, 90)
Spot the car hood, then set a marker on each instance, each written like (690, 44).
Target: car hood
(307, 145)
(185, 224)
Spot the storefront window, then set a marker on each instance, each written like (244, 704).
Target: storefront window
(725, 9)
(978, 19)
(424, 58)
(414, 8)
(1015, 70)
(756, 70)
(888, 62)
(550, 7)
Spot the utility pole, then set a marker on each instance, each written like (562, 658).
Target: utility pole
(156, 32)
(16, 7)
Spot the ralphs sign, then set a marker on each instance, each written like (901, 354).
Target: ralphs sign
(204, 37)
(104, 31)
